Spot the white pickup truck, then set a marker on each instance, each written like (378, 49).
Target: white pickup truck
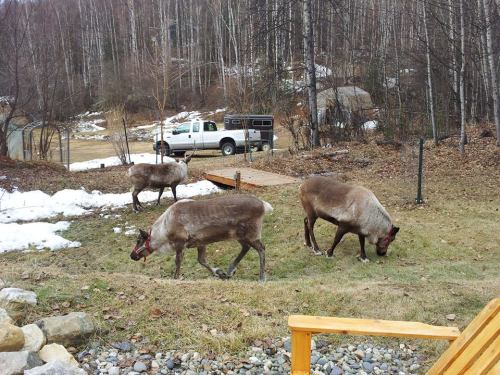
(203, 135)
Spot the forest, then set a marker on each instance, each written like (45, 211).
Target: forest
(431, 66)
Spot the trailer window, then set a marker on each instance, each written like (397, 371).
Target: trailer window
(267, 123)
(257, 123)
(236, 122)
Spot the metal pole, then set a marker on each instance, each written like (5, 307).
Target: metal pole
(419, 199)
(126, 140)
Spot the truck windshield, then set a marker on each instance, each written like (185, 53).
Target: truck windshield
(209, 127)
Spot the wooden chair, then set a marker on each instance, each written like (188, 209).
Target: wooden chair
(475, 351)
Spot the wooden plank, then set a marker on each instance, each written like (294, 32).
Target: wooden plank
(467, 336)
(488, 360)
(250, 178)
(370, 327)
(495, 370)
(301, 353)
(476, 347)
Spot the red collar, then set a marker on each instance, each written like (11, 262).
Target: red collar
(147, 246)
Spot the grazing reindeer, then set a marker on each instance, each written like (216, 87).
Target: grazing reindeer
(189, 223)
(157, 176)
(353, 209)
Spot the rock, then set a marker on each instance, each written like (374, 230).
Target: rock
(4, 317)
(67, 330)
(56, 368)
(34, 338)
(336, 371)
(451, 317)
(322, 361)
(11, 338)
(140, 366)
(114, 370)
(14, 363)
(56, 352)
(124, 346)
(359, 353)
(368, 367)
(16, 300)
(170, 364)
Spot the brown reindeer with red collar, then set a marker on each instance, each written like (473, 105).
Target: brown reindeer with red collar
(354, 209)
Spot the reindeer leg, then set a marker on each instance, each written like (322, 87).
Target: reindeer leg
(362, 255)
(257, 245)
(310, 225)
(338, 237)
(159, 196)
(307, 237)
(244, 250)
(174, 192)
(179, 255)
(135, 200)
(202, 259)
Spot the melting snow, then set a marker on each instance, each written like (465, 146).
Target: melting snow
(40, 235)
(36, 205)
(113, 160)
(372, 124)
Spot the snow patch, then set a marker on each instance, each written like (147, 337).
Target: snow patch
(370, 125)
(117, 229)
(113, 160)
(36, 205)
(38, 235)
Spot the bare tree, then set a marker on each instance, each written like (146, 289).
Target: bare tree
(462, 83)
(310, 71)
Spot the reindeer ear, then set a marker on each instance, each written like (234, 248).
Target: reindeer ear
(143, 234)
(394, 231)
(187, 159)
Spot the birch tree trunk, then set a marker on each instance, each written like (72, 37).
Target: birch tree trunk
(310, 72)
(429, 77)
(492, 69)
(462, 84)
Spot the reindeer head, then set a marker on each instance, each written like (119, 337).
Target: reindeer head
(384, 242)
(143, 246)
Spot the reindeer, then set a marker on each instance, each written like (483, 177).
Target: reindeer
(354, 209)
(157, 176)
(189, 223)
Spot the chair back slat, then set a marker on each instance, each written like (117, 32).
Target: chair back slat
(470, 334)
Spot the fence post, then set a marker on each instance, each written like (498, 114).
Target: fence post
(419, 199)
(237, 180)
(126, 139)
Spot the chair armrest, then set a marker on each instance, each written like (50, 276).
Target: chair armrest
(370, 327)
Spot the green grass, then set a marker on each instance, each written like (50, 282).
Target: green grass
(444, 260)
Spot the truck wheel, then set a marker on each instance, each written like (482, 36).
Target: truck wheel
(228, 148)
(166, 148)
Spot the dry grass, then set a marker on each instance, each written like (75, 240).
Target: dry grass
(445, 260)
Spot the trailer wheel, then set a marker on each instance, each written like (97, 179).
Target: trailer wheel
(265, 147)
(228, 148)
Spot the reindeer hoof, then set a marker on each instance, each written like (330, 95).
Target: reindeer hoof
(221, 274)
(317, 252)
(364, 260)
(329, 256)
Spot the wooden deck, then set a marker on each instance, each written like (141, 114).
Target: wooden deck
(250, 178)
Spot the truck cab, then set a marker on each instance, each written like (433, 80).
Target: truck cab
(203, 135)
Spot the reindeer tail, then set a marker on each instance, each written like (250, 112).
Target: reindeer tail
(267, 207)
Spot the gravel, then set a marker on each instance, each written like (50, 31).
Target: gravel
(264, 357)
